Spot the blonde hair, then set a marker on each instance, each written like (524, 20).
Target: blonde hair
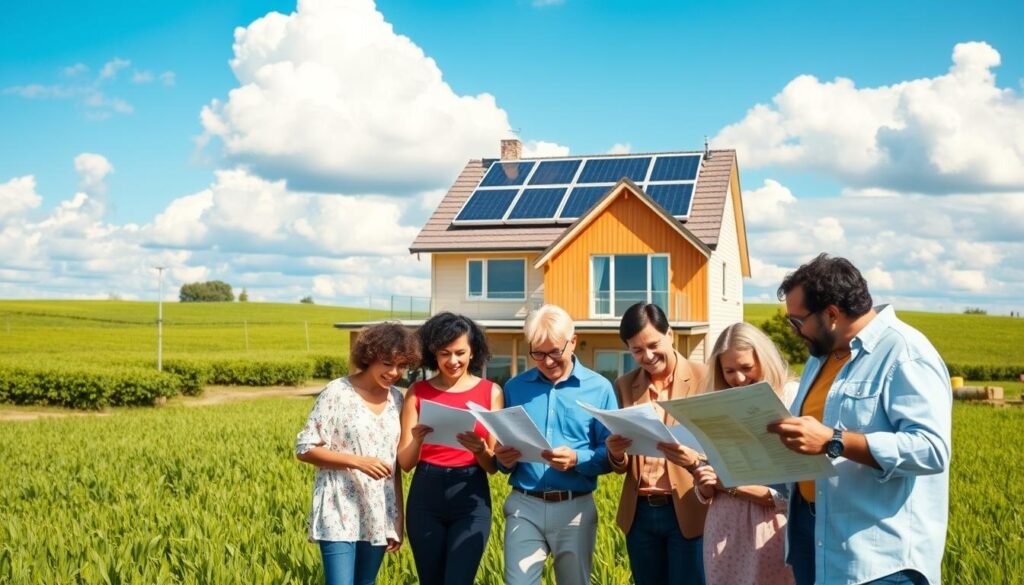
(548, 322)
(744, 336)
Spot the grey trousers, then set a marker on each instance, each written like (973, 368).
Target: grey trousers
(535, 528)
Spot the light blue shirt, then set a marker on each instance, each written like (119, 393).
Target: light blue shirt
(870, 523)
(562, 421)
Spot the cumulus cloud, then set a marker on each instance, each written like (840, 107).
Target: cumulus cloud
(540, 148)
(17, 196)
(767, 205)
(312, 107)
(620, 148)
(92, 171)
(956, 132)
(113, 67)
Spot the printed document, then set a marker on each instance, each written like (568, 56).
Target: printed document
(512, 427)
(446, 421)
(643, 425)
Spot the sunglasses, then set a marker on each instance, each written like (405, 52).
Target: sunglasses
(555, 354)
(797, 323)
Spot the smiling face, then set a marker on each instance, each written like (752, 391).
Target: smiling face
(740, 367)
(811, 327)
(453, 359)
(385, 373)
(554, 368)
(652, 350)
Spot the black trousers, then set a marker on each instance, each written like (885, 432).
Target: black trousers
(448, 521)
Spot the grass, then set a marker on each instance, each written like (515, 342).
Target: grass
(213, 495)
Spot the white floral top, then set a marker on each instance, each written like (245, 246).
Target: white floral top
(348, 505)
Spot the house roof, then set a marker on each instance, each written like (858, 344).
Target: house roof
(439, 235)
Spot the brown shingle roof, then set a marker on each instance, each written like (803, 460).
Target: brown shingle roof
(439, 235)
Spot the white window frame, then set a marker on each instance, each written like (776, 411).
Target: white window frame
(611, 279)
(483, 281)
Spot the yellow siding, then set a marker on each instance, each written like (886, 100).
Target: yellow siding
(448, 274)
(627, 226)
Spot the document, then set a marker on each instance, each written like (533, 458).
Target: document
(512, 427)
(446, 421)
(643, 425)
(731, 425)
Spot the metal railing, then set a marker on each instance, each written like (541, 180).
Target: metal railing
(613, 304)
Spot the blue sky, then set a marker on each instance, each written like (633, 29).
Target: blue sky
(130, 83)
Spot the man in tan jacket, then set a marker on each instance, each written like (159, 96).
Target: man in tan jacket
(658, 510)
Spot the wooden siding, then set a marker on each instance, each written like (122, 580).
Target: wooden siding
(627, 226)
(448, 283)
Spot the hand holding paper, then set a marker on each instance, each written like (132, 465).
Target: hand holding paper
(512, 427)
(643, 427)
(446, 423)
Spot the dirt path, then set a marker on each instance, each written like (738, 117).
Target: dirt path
(211, 395)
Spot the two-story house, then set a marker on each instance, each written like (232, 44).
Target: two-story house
(592, 234)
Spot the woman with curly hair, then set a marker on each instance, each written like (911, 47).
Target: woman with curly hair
(449, 504)
(351, 437)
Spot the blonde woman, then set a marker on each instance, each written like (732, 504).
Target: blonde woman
(744, 529)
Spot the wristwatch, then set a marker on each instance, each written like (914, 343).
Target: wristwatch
(834, 446)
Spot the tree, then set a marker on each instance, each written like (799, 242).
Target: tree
(243, 297)
(306, 300)
(790, 345)
(206, 292)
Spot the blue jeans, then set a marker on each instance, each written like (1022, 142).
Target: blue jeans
(907, 577)
(351, 563)
(658, 551)
(448, 521)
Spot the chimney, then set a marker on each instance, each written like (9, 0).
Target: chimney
(511, 149)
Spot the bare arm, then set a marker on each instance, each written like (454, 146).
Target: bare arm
(412, 433)
(486, 457)
(394, 545)
(323, 457)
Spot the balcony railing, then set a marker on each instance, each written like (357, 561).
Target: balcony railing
(613, 304)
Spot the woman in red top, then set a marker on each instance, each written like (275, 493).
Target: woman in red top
(448, 513)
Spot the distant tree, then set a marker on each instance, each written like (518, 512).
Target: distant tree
(206, 292)
(113, 296)
(975, 311)
(306, 300)
(243, 297)
(789, 343)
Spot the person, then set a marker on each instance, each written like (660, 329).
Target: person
(351, 437)
(658, 509)
(551, 507)
(448, 513)
(875, 398)
(744, 530)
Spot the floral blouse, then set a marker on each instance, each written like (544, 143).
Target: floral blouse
(348, 505)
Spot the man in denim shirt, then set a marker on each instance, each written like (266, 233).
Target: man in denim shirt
(875, 398)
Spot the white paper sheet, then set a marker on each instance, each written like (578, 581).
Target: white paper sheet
(446, 421)
(643, 425)
(731, 425)
(512, 427)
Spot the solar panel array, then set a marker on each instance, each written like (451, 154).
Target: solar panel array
(562, 190)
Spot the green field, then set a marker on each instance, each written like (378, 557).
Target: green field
(213, 495)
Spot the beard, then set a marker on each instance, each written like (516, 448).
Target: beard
(821, 344)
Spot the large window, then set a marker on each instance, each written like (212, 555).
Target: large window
(620, 281)
(612, 364)
(499, 368)
(496, 280)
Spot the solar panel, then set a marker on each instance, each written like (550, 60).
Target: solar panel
(610, 170)
(675, 198)
(506, 174)
(538, 204)
(675, 168)
(581, 199)
(487, 205)
(555, 172)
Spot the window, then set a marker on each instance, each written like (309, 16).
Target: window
(496, 280)
(499, 368)
(612, 364)
(723, 280)
(623, 280)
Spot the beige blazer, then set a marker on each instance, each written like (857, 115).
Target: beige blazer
(631, 388)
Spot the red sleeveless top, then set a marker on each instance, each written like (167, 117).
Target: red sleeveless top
(441, 454)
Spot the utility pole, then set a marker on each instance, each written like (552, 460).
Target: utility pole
(160, 320)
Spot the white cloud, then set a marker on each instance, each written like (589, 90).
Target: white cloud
(540, 148)
(142, 77)
(954, 132)
(620, 148)
(313, 107)
(111, 68)
(878, 279)
(92, 171)
(76, 69)
(767, 205)
(17, 196)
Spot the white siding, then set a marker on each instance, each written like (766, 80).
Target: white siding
(448, 283)
(725, 309)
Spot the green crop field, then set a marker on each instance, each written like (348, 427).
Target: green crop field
(213, 495)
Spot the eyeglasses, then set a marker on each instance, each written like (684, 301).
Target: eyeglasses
(555, 354)
(797, 323)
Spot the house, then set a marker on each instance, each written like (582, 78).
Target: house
(592, 234)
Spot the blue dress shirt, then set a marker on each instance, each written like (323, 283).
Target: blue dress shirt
(553, 408)
(869, 522)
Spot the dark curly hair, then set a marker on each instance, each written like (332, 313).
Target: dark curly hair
(385, 342)
(830, 281)
(637, 316)
(444, 328)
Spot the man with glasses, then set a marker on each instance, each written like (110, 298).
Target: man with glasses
(875, 398)
(551, 508)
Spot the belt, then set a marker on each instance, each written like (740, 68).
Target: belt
(655, 500)
(552, 495)
(424, 467)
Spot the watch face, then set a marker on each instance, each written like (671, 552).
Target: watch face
(834, 448)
